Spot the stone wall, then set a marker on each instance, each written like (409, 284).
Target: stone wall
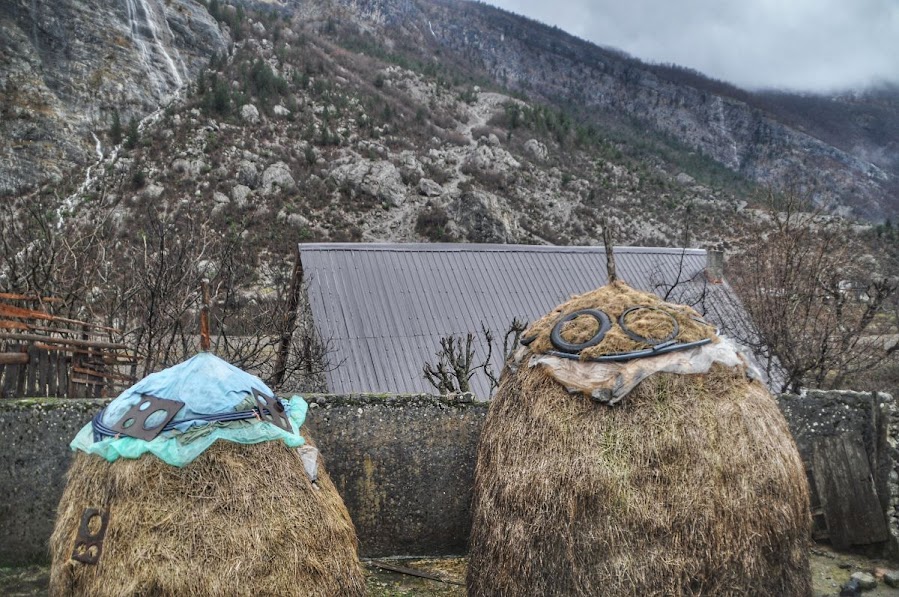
(403, 464)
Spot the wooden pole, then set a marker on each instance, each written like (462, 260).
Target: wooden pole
(610, 250)
(205, 341)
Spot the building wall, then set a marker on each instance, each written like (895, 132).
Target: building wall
(403, 464)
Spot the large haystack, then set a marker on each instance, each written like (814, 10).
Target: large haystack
(690, 485)
(243, 517)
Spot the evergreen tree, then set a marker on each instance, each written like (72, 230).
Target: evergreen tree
(115, 131)
(133, 134)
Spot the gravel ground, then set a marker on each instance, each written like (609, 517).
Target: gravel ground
(829, 571)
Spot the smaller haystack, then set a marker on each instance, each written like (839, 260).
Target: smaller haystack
(226, 499)
(629, 452)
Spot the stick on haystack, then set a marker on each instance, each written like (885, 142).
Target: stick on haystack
(646, 462)
(226, 499)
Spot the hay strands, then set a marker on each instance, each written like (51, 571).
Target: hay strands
(413, 572)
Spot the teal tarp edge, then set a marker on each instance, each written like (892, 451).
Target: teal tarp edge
(171, 450)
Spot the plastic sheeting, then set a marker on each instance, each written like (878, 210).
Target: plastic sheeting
(610, 382)
(207, 385)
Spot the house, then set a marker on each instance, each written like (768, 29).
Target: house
(382, 309)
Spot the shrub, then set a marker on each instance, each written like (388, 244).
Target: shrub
(432, 223)
(138, 179)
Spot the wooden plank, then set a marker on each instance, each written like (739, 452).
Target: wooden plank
(58, 388)
(13, 358)
(43, 364)
(109, 357)
(10, 296)
(99, 387)
(103, 374)
(52, 359)
(846, 490)
(67, 341)
(23, 313)
(20, 383)
(86, 381)
(10, 375)
(32, 367)
(62, 386)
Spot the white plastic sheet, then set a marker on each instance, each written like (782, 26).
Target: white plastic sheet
(610, 382)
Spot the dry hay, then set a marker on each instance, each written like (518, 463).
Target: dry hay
(614, 299)
(691, 486)
(239, 520)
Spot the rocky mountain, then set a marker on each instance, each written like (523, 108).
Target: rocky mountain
(67, 66)
(409, 120)
(840, 151)
(300, 132)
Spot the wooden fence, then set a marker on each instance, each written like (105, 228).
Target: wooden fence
(42, 354)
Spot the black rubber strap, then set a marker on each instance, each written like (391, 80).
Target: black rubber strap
(563, 345)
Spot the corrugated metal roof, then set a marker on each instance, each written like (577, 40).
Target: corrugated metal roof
(383, 308)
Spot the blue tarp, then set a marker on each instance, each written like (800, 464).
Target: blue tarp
(206, 385)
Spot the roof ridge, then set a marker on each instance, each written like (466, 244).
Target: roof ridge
(493, 248)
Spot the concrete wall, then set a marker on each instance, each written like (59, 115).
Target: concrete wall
(403, 464)
(34, 457)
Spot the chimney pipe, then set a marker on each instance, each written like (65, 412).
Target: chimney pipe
(714, 265)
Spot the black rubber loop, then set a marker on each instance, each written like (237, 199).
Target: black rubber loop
(605, 324)
(527, 341)
(645, 339)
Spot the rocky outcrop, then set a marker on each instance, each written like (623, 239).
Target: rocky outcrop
(429, 188)
(67, 65)
(484, 219)
(381, 180)
(249, 113)
(536, 149)
(277, 175)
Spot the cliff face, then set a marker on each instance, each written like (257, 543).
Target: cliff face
(751, 134)
(67, 65)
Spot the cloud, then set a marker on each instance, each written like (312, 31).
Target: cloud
(801, 45)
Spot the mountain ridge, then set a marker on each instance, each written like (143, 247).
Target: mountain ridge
(726, 128)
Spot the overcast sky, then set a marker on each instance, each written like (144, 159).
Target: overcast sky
(807, 45)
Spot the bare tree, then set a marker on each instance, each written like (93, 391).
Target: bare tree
(454, 368)
(142, 275)
(823, 311)
(456, 359)
(510, 342)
